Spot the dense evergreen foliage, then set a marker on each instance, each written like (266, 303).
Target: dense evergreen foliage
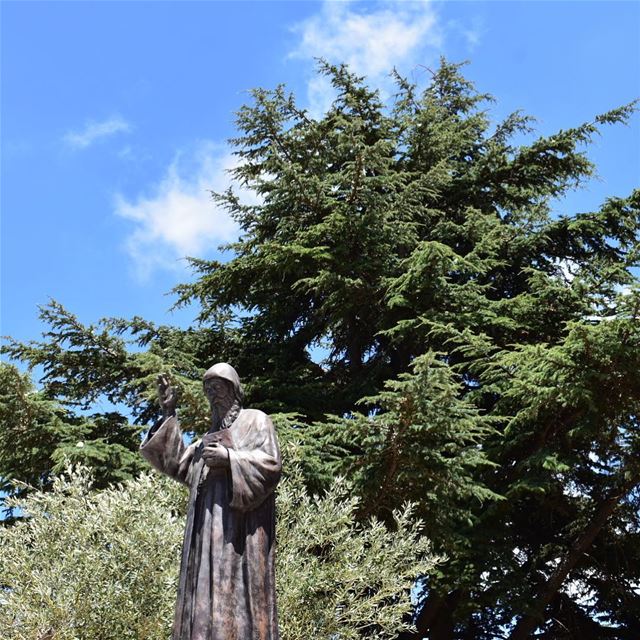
(482, 344)
(39, 437)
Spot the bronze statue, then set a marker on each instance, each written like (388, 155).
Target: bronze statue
(227, 582)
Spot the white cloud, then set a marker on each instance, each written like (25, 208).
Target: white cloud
(93, 131)
(372, 42)
(178, 218)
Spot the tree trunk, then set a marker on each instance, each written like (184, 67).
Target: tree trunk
(436, 618)
(532, 620)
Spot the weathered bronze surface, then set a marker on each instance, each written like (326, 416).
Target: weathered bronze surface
(227, 581)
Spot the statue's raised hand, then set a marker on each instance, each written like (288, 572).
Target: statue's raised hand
(168, 396)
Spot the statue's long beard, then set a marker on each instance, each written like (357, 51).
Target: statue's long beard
(224, 416)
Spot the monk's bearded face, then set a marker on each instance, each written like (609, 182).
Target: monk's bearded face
(219, 392)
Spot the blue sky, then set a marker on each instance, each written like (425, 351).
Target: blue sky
(115, 117)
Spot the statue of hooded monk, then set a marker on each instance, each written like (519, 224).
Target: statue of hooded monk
(227, 583)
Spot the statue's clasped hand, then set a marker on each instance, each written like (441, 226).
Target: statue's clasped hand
(216, 456)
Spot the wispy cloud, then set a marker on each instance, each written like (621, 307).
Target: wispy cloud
(94, 131)
(371, 40)
(179, 218)
(471, 30)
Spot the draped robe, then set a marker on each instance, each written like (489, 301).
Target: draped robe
(227, 583)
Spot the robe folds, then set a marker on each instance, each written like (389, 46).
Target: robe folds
(227, 574)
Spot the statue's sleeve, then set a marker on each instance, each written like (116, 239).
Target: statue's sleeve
(255, 466)
(165, 449)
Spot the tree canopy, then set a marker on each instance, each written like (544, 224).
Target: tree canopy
(412, 299)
